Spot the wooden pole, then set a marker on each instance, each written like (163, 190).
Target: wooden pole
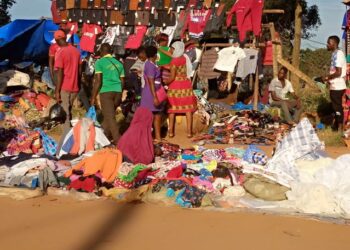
(297, 45)
(274, 49)
(256, 90)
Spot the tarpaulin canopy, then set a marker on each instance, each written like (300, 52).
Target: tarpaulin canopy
(26, 40)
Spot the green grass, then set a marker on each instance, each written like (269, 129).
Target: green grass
(330, 138)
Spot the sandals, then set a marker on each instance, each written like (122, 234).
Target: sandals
(189, 136)
(171, 135)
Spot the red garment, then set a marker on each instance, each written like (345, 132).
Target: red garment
(135, 40)
(68, 59)
(137, 142)
(196, 22)
(256, 15)
(72, 28)
(268, 56)
(53, 49)
(180, 92)
(110, 4)
(87, 185)
(56, 16)
(88, 39)
(242, 8)
(175, 173)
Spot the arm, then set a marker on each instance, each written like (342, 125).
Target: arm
(122, 79)
(59, 84)
(275, 97)
(172, 75)
(168, 53)
(150, 81)
(96, 88)
(51, 67)
(336, 74)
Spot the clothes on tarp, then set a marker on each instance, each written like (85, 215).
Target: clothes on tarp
(106, 162)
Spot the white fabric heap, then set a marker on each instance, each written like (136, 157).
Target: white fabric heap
(301, 143)
(323, 187)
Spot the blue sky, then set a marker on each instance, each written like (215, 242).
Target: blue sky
(332, 12)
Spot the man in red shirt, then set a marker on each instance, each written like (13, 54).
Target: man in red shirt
(67, 63)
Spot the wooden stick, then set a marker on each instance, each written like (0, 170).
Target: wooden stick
(256, 90)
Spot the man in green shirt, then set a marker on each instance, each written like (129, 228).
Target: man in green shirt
(109, 83)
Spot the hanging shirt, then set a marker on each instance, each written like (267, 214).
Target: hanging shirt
(196, 22)
(247, 65)
(280, 91)
(338, 61)
(135, 40)
(241, 8)
(228, 58)
(88, 39)
(268, 55)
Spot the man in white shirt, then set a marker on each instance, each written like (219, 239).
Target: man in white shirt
(336, 80)
(279, 89)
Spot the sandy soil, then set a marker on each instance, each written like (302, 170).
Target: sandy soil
(52, 222)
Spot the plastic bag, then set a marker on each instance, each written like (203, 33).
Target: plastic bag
(92, 113)
(49, 144)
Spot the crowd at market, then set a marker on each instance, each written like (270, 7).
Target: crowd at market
(151, 62)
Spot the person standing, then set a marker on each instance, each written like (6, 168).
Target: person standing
(68, 68)
(153, 82)
(180, 93)
(336, 81)
(109, 83)
(279, 88)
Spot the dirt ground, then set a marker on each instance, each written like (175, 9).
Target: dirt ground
(52, 222)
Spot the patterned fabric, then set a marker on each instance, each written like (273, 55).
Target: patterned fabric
(259, 158)
(193, 195)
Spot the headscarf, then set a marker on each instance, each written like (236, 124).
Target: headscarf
(137, 143)
(179, 50)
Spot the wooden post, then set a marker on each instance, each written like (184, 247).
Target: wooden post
(256, 90)
(274, 49)
(297, 45)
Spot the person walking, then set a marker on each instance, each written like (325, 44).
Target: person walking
(180, 93)
(336, 81)
(109, 83)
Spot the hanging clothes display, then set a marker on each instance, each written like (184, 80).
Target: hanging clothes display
(248, 64)
(196, 22)
(209, 59)
(228, 58)
(88, 39)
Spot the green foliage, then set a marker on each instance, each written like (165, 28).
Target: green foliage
(5, 16)
(315, 63)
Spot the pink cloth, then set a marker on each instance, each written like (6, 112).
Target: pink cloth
(137, 143)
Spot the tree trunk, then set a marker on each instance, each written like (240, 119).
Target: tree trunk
(297, 45)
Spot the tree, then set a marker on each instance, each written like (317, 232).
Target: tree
(5, 16)
(285, 23)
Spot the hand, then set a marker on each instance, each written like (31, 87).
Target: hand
(58, 97)
(92, 101)
(298, 103)
(156, 101)
(325, 79)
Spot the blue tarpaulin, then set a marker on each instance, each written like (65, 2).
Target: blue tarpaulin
(27, 40)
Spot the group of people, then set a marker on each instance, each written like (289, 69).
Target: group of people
(280, 87)
(164, 74)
